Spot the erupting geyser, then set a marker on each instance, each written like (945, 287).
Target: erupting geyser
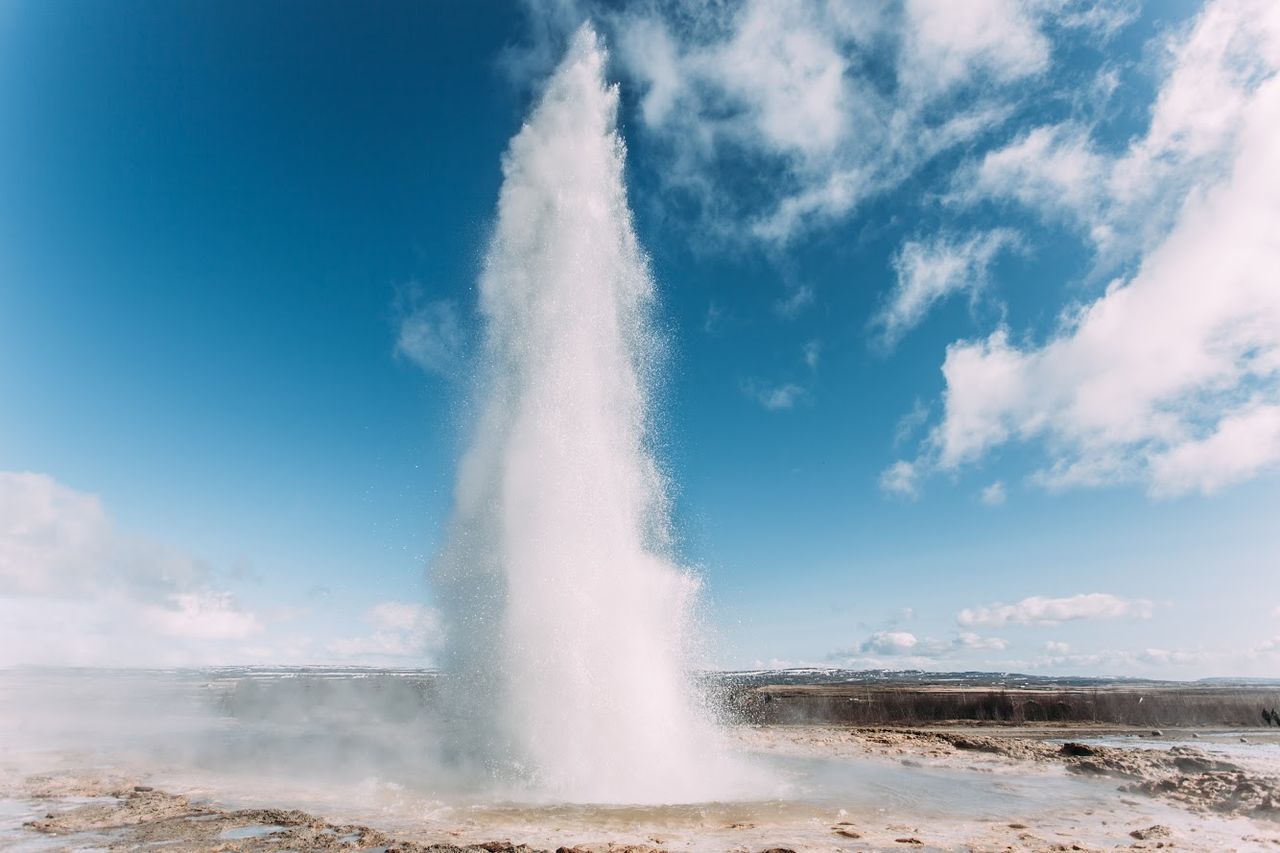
(570, 624)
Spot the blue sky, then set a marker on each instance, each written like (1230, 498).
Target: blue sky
(973, 314)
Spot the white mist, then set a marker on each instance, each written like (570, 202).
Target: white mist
(570, 624)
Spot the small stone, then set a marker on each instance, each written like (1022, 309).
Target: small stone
(1151, 833)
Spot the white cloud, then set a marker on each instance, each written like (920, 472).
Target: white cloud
(1172, 377)
(928, 272)
(1244, 443)
(1126, 202)
(204, 615)
(773, 397)
(993, 494)
(970, 640)
(901, 478)
(429, 333)
(947, 42)
(910, 422)
(889, 643)
(74, 590)
(1054, 168)
(401, 630)
(1056, 647)
(1101, 17)
(786, 88)
(1039, 610)
(904, 648)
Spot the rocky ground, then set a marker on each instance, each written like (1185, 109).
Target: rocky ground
(1222, 806)
(1184, 774)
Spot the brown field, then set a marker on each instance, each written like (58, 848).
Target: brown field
(1147, 704)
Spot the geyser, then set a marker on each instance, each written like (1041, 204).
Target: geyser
(570, 623)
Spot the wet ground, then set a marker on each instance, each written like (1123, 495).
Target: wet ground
(135, 763)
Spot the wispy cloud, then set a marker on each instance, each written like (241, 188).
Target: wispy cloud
(930, 271)
(773, 397)
(905, 648)
(993, 494)
(798, 299)
(400, 630)
(909, 423)
(786, 85)
(429, 332)
(1040, 610)
(812, 354)
(901, 479)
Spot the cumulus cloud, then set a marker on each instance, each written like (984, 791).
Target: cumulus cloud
(429, 333)
(993, 494)
(1171, 378)
(1039, 610)
(75, 590)
(889, 643)
(929, 271)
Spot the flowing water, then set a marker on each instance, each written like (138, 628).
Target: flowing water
(570, 623)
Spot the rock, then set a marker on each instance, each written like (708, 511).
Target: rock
(1192, 764)
(1157, 733)
(1151, 833)
(1077, 750)
(142, 789)
(909, 840)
